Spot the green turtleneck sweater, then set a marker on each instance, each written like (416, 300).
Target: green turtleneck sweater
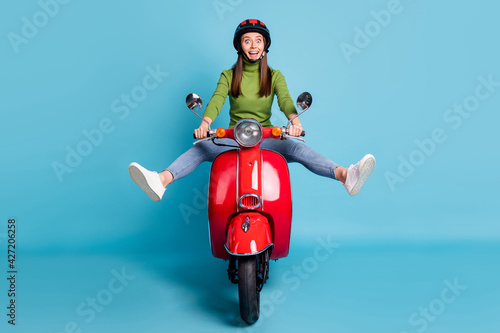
(250, 104)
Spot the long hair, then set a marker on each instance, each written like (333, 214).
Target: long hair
(266, 78)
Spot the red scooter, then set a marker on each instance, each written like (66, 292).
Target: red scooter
(249, 205)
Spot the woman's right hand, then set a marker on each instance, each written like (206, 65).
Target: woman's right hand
(201, 132)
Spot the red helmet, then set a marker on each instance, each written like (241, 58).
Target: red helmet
(251, 25)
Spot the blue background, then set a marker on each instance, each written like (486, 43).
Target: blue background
(397, 242)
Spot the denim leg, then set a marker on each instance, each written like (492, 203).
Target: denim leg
(204, 151)
(294, 151)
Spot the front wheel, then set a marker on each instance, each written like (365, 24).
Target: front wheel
(247, 289)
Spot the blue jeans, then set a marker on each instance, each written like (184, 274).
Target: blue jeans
(291, 150)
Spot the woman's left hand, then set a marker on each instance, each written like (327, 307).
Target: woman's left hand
(295, 130)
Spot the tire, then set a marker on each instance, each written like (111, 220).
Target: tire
(247, 289)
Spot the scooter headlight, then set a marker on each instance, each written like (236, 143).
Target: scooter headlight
(248, 132)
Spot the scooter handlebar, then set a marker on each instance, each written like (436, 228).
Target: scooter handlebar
(301, 134)
(208, 135)
(212, 133)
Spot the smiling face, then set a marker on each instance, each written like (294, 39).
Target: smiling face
(252, 44)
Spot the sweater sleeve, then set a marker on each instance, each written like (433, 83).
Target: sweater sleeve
(219, 97)
(285, 102)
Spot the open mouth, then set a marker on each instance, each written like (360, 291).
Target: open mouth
(253, 54)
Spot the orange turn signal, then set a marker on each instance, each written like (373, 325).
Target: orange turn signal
(220, 132)
(276, 131)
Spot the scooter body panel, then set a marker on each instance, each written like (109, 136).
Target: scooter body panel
(277, 198)
(248, 233)
(222, 200)
(249, 181)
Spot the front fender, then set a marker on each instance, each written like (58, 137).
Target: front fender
(248, 233)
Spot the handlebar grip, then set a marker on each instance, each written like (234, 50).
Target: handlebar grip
(208, 135)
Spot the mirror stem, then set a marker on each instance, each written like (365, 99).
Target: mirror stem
(209, 128)
(290, 120)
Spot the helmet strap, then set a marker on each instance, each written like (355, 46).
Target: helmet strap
(252, 61)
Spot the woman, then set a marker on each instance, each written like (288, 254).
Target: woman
(251, 86)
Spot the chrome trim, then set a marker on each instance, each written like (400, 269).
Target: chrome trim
(237, 179)
(240, 204)
(237, 129)
(262, 180)
(248, 254)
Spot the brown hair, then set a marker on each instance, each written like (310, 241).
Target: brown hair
(266, 78)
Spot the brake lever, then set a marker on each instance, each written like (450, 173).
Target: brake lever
(286, 136)
(201, 140)
(210, 135)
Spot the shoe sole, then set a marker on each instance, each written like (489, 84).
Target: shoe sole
(138, 178)
(365, 170)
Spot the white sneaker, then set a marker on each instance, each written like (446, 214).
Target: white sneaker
(358, 174)
(148, 181)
